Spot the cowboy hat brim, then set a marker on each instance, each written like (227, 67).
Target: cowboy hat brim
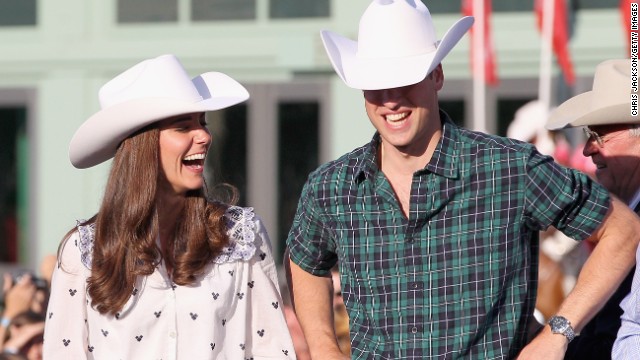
(98, 137)
(579, 111)
(367, 73)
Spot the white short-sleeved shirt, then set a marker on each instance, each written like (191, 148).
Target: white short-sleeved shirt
(234, 311)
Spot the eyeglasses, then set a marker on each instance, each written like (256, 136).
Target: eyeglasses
(593, 135)
(610, 132)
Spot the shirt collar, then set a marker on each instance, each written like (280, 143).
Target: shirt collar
(635, 200)
(444, 161)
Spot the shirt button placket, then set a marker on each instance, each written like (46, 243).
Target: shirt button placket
(172, 342)
(415, 288)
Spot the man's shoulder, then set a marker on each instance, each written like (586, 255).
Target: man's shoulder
(346, 165)
(475, 142)
(477, 138)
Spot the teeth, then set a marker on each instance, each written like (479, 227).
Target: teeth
(194, 157)
(396, 117)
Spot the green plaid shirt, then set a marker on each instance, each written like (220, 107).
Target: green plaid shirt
(457, 279)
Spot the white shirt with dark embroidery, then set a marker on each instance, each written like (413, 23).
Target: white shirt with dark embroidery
(233, 311)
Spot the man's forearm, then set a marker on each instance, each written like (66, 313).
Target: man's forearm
(312, 296)
(609, 263)
(607, 266)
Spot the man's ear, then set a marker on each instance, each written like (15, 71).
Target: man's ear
(437, 75)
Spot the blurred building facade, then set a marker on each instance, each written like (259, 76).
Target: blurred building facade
(56, 54)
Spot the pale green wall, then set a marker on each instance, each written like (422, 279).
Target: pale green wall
(77, 46)
(350, 127)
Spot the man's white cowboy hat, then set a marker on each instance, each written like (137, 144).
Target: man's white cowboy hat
(397, 46)
(608, 103)
(151, 90)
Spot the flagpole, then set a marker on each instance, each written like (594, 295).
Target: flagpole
(546, 52)
(479, 87)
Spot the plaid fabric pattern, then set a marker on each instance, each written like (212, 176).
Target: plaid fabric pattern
(457, 279)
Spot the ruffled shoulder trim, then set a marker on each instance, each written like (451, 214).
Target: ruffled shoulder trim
(85, 243)
(241, 229)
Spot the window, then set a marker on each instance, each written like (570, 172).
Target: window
(506, 113)
(597, 4)
(280, 9)
(298, 155)
(17, 12)
(143, 11)
(203, 10)
(14, 181)
(441, 6)
(455, 110)
(227, 157)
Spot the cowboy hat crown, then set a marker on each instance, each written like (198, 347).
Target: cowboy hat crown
(608, 103)
(397, 46)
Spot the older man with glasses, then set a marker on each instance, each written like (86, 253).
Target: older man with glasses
(613, 143)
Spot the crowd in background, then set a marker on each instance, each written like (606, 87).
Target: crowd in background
(24, 307)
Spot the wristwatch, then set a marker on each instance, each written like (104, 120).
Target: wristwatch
(560, 325)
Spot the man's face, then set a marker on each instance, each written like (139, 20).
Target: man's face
(617, 159)
(406, 116)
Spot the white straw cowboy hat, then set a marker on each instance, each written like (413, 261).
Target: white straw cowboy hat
(397, 46)
(608, 103)
(150, 91)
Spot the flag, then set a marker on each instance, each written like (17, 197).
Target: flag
(490, 74)
(560, 37)
(625, 12)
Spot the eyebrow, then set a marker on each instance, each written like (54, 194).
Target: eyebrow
(181, 119)
(185, 118)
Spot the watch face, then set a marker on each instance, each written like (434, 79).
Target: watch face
(560, 325)
(557, 323)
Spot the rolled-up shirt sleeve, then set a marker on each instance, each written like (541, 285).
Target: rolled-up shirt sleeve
(311, 241)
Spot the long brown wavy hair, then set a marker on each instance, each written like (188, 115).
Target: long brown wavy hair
(126, 227)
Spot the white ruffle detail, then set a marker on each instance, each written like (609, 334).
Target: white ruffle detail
(241, 228)
(87, 234)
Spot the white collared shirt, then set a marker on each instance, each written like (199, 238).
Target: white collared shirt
(627, 344)
(234, 311)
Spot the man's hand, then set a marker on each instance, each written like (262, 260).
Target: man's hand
(546, 345)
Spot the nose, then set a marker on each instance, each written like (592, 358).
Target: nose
(590, 147)
(202, 136)
(391, 95)
(384, 97)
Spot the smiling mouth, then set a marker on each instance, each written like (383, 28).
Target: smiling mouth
(194, 161)
(395, 118)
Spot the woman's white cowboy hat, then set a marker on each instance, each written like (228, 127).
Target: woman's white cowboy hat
(151, 90)
(608, 103)
(396, 46)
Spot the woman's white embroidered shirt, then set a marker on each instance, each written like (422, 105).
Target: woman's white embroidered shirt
(233, 312)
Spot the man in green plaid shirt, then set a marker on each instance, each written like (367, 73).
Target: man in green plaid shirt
(434, 227)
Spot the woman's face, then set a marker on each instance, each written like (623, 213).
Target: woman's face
(184, 141)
